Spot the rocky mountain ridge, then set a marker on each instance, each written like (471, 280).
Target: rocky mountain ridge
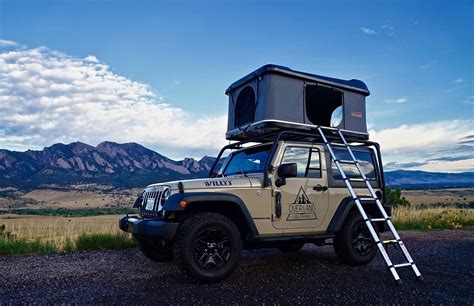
(133, 165)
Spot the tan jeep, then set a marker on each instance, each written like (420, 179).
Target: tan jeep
(283, 192)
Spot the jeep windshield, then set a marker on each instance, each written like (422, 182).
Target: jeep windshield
(251, 160)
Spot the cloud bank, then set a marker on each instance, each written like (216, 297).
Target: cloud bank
(434, 146)
(47, 96)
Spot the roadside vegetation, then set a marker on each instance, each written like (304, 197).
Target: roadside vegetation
(64, 212)
(21, 234)
(406, 216)
(10, 244)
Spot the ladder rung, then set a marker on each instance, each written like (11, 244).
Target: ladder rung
(368, 199)
(379, 219)
(338, 144)
(342, 161)
(406, 264)
(357, 179)
(390, 241)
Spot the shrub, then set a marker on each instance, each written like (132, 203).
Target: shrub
(394, 198)
(86, 242)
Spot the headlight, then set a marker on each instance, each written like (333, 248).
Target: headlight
(165, 196)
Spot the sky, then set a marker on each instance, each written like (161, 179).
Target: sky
(154, 72)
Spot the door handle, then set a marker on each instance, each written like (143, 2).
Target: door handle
(320, 188)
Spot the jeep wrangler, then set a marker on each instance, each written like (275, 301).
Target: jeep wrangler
(283, 192)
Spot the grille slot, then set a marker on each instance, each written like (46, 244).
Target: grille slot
(155, 193)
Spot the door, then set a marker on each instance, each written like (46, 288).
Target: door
(303, 200)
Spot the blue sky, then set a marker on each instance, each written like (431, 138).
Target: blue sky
(415, 56)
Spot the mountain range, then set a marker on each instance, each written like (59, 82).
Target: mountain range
(122, 165)
(133, 165)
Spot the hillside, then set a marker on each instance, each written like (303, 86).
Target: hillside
(133, 165)
(423, 179)
(122, 165)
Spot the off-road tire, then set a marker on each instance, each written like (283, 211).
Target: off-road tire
(291, 247)
(189, 240)
(154, 250)
(347, 243)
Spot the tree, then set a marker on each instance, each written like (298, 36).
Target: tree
(394, 198)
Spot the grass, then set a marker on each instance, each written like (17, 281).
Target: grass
(411, 218)
(85, 242)
(13, 244)
(26, 234)
(22, 246)
(119, 241)
(61, 234)
(64, 212)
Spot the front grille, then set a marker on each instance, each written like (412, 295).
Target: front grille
(151, 201)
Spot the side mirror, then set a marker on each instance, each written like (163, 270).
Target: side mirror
(287, 170)
(284, 171)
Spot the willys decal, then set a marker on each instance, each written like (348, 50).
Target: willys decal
(302, 208)
(217, 183)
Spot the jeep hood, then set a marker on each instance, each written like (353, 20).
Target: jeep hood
(212, 183)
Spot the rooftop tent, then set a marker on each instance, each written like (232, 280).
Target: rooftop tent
(275, 97)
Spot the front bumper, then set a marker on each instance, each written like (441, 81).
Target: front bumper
(148, 227)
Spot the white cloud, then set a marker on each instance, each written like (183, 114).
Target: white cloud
(368, 31)
(388, 29)
(469, 100)
(458, 81)
(47, 96)
(426, 143)
(397, 100)
(7, 43)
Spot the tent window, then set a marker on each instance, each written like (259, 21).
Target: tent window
(245, 106)
(323, 104)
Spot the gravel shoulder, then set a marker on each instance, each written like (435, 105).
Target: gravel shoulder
(313, 275)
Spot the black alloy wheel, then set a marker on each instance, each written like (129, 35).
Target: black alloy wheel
(353, 243)
(362, 242)
(212, 248)
(207, 247)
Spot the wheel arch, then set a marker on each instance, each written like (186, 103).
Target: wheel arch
(226, 204)
(346, 207)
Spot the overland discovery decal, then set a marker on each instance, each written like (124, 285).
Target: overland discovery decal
(302, 208)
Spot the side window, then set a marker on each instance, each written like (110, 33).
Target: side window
(307, 161)
(314, 167)
(365, 160)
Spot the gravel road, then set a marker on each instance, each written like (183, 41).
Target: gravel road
(313, 275)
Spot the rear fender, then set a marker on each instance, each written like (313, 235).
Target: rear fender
(346, 206)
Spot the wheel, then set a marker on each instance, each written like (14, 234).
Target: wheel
(207, 247)
(155, 250)
(354, 244)
(291, 247)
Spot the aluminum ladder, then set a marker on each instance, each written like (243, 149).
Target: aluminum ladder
(368, 221)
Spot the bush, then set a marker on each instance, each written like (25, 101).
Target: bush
(87, 242)
(395, 199)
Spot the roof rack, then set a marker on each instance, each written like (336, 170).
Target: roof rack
(265, 130)
(312, 135)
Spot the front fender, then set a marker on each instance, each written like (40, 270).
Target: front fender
(173, 203)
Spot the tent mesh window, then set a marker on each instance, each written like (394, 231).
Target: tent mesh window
(245, 106)
(321, 102)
